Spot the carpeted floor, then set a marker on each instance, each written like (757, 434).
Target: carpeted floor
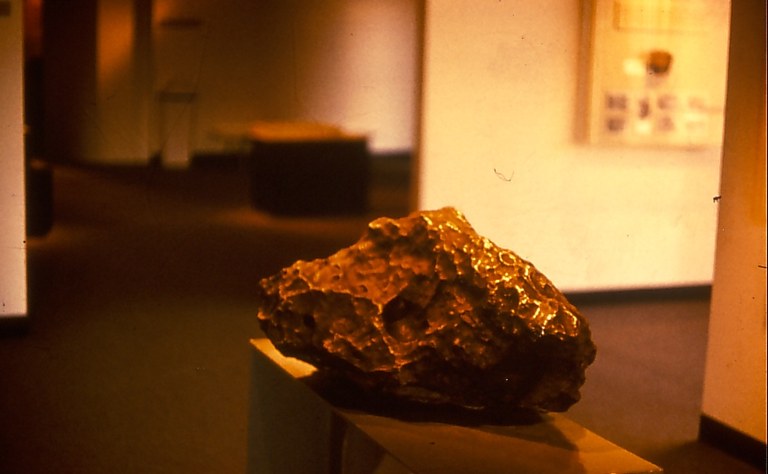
(136, 358)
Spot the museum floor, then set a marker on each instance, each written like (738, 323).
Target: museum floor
(136, 358)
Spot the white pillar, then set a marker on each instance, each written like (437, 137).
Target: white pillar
(734, 382)
(13, 277)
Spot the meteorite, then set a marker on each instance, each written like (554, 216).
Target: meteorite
(424, 309)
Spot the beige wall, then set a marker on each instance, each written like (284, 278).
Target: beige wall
(734, 388)
(502, 106)
(97, 90)
(119, 116)
(345, 62)
(13, 277)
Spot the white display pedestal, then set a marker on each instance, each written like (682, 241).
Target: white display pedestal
(293, 429)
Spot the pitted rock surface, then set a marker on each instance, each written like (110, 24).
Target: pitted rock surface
(424, 309)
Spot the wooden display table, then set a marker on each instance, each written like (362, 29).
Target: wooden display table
(299, 168)
(293, 429)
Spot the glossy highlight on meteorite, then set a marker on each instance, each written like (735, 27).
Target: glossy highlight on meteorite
(424, 309)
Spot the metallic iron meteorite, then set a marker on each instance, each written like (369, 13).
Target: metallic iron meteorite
(423, 309)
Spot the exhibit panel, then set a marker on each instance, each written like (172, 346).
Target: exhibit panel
(293, 429)
(650, 80)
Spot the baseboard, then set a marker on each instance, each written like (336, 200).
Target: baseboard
(641, 294)
(217, 161)
(733, 442)
(232, 159)
(14, 325)
(404, 156)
